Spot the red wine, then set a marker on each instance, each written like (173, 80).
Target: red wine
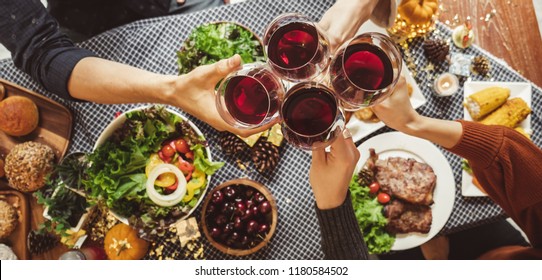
(293, 45)
(247, 100)
(296, 51)
(309, 111)
(367, 67)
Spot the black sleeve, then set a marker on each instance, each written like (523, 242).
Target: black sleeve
(37, 46)
(341, 235)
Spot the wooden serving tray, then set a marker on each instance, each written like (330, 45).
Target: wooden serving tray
(54, 128)
(18, 239)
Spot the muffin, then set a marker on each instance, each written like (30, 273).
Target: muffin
(18, 116)
(8, 219)
(27, 166)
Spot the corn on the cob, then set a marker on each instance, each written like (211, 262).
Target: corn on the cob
(486, 101)
(523, 132)
(510, 114)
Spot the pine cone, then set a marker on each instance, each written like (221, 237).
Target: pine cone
(41, 242)
(265, 156)
(231, 144)
(481, 65)
(436, 50)
(365, 177)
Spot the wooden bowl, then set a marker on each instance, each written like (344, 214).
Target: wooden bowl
(273, 225)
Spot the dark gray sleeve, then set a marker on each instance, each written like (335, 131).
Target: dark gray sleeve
(37, 46)
(341, 235)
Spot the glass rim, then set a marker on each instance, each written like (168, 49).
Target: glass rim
(310, 22)
(222, 88)
(383, 38)
(310, 85)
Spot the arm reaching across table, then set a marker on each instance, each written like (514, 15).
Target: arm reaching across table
(345, 17)
(50, 57)
(330, 175)
(505, 162)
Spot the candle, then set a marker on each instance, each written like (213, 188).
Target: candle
(446, 84)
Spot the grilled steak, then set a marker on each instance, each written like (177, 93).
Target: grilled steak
(406, 179)
(405, 217)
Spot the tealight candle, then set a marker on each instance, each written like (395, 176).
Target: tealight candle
(446, 84)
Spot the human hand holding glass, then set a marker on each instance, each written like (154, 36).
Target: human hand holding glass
(364, 70)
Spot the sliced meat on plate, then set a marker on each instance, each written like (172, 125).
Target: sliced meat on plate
(404, 217)
(407, 179)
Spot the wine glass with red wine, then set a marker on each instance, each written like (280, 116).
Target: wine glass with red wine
(311, 116)
(297, 50)
(365, 70)
(250, 97)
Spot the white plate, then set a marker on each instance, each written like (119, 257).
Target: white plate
(521, 90)
(397, 144)
(359, 128)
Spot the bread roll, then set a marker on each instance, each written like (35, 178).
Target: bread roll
(18, 116)
(8, 219)
(27, 166)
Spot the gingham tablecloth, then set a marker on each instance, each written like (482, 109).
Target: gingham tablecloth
(151, 44)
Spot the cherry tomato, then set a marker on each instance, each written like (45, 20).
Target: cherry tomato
(168, 151)
(181, 146)
(374, 187)
(185, 166)
(383, 198)
(163, 157)
(189, 155)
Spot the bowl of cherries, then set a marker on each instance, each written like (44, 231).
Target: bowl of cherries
(239, 217)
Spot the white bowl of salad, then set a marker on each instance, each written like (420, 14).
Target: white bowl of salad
(151, 167)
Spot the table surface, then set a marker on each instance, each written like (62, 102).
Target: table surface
(511, 34)
(151, 44)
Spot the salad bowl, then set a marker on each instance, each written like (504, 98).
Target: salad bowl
(110, 133)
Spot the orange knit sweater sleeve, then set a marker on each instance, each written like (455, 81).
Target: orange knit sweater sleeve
(509, 168)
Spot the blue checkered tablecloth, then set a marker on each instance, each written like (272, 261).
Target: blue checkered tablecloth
(151, 45)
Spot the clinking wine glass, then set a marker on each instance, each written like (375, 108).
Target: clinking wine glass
(364, 70)
(297, 49)
(250, 97)
(311, 116)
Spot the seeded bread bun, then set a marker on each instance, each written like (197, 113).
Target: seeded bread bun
(18, 116)
(27, 166)
(8, 219)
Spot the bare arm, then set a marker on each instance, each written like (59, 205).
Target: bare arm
(344, 18)
(397, 113)
(103, 81)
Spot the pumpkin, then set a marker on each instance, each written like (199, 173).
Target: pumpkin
(418, 11)
(122, 243)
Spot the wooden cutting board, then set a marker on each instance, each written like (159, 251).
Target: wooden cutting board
(54, 129)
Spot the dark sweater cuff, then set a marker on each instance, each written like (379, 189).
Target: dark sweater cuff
(56, 74)
(341, 235)
(479, 142)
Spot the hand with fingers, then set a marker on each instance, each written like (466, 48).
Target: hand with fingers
(330, 172)
(195, 94)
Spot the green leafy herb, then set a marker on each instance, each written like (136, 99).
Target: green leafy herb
(65, 207)
(370, 218)
(212, 42)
